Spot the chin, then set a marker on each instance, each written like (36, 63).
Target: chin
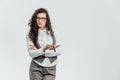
(41, 26)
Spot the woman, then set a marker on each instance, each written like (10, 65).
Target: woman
(42, 46)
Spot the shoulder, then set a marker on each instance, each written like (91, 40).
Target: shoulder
(27, 34)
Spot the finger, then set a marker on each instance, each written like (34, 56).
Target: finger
(48, 45)
(32, 47)
(57, 46)
(51, 47)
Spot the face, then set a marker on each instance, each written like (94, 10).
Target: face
(41, 20)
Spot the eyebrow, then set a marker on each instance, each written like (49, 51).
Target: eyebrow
(41, 17)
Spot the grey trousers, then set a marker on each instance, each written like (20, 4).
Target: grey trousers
(37, 72)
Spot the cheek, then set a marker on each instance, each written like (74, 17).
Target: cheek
(37, 22)
(44, 22)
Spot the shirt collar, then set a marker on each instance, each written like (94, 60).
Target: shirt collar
(42, 30)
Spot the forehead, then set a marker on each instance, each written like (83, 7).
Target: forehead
(41, 15)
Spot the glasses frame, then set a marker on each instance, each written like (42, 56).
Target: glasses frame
(41, 18)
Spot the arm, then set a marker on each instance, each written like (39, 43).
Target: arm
(33, 52)
(52, 53)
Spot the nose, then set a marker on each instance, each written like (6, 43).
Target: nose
(39, 20)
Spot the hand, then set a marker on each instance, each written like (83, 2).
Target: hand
(32, 47)
(48, 46)
(56, 46)
(51, 47)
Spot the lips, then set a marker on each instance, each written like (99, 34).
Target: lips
(39, 24)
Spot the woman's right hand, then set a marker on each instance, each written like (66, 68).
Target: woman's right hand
(51, 47)
(46, 47)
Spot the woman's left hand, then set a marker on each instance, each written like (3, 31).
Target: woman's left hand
(53, 46)
(32, 47)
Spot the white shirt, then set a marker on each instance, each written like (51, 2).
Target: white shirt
(43, 40)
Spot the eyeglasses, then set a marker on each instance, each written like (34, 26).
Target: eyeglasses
(41, 18)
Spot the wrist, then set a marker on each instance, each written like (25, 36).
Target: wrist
(44, 49)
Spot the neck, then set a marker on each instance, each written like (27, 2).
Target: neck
(42, 28)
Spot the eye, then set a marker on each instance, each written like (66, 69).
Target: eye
(41, 18)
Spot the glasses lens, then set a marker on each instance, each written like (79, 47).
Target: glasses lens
(42, 18)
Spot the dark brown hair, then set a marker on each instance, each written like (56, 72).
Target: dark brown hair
(33, 33)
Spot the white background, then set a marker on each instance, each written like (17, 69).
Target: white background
(89, 31)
